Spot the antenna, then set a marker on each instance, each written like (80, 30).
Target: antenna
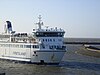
(40, 18)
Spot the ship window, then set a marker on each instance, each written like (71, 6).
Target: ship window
(53, 39)
(43, 39)
(54, 46)
(35, 46)
(50, 39)
(43, 46)
(10, 45)
(1, 45)
(21, 46)
(61, 33)
(28, 46)
(59, 40)
(37, 33)
(6, 45)
(58, 33)
(17, 46)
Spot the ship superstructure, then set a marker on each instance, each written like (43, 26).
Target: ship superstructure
(43, 45)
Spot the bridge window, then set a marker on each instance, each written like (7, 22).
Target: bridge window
(49, 34)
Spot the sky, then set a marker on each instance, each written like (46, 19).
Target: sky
(79, 18)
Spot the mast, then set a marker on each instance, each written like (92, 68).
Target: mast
(40, 23)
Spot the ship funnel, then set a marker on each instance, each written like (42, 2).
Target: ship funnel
(8, 27)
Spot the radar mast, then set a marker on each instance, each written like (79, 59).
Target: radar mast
(40, 23)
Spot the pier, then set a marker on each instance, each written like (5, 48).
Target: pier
(95, 43)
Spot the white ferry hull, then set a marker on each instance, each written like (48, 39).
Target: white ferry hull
(47, 57)
(33, 56)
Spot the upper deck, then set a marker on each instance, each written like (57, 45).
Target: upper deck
(47, 32)
(37, 35)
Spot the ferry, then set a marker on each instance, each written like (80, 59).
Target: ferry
(42, 45)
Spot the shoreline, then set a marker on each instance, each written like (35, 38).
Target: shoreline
(94, 50)
(89, 52)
